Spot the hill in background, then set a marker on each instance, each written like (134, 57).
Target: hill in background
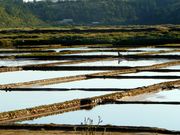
(15, 14)
(89, 12)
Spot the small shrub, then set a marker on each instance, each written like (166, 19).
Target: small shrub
(90, 127)
(5, 43)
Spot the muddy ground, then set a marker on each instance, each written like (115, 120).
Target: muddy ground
(27, 132)
(16, 129)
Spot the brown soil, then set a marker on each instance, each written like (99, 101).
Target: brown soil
(27, 132)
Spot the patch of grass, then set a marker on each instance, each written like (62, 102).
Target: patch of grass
(120, 36)
(90, 127)
(6, 43)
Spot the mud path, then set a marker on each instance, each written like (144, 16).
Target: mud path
(23, 129)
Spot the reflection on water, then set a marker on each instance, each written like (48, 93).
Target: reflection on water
(120, 62)
(108, 83)
(24, 76)
(162, 116)
(21, 100)
(105, 53)
(167, 96)
(153, 74)
(11, 54)
(148, 49)
(70, 49)
(171, 53)
(24, 62)
(173, 95)
(173, 67)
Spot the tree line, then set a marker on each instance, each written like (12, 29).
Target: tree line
(92, 12)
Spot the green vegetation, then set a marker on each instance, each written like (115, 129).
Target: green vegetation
(117, 36)
(15, 13)
(90, 128)
(108, 12)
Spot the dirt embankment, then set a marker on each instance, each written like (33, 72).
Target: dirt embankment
(10, 69)
(16, 129)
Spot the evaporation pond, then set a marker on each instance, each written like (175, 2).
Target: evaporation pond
(24, 76)
(161, 96)
(107, 83)
(152, 74)
(148, 49)
(162, 116)
(120, 62)
(24, 62)
(106, 53)
(70, 49)
(21, 100)
(171, 53)
(11, 54)
(173, 67)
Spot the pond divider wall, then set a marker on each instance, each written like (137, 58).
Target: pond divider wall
(10, 69)
(97, 128)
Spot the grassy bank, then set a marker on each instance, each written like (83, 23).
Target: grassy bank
(116, 36)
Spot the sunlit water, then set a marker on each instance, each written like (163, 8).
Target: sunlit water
(24, 62)
(11, 54)
(153, 74)
(171, 53)
(24, 76)
(148, 49)
(173, 67)
(21, 100)
(105, 53)
(161, 96)
(108, 83)
(120, 62)
(162, 116)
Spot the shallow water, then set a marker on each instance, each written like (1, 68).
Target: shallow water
(24, 62)
(23, 76)
(172, 95)
(153, 74)
(107, 83)
(11, 54)
(105, 53)
(166, 96)
(170, 53)
(79, 48)
(70, 49)
(173, 67)
(21, 100)
(148, 49)
(7, 49)
(162, 116)
(120, 62)
(97, 53)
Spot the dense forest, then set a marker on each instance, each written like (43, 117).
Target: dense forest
(89, 12)
(15, 13)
